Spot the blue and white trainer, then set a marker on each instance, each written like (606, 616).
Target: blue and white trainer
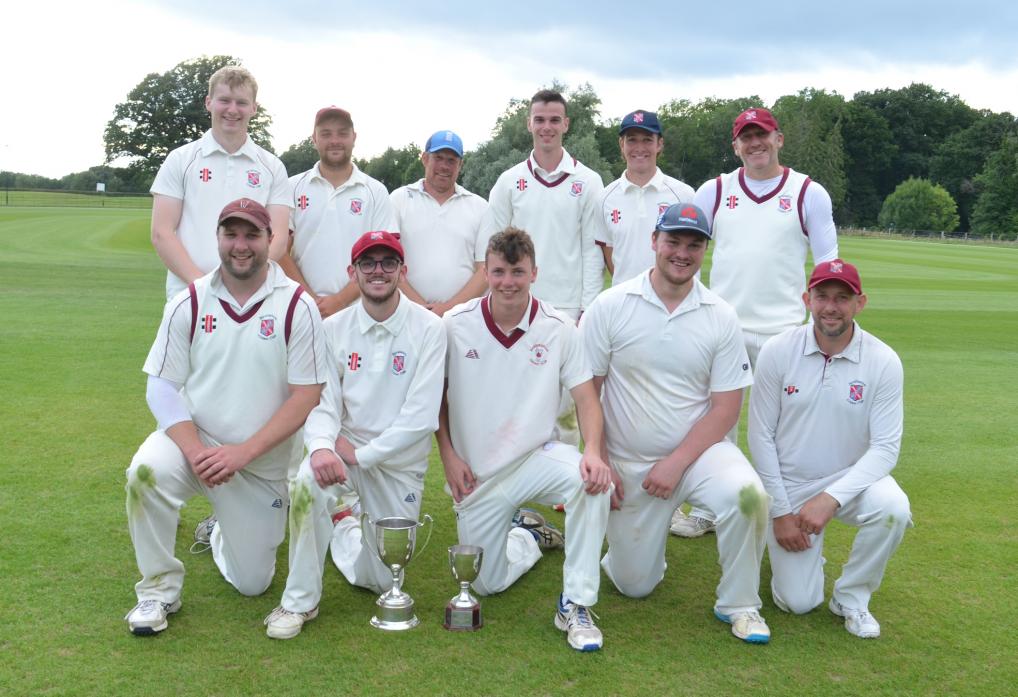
(578, 623)
(748, 626)
(148, 617)
(546, 534)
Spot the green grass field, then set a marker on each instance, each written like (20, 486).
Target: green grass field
(81, 293)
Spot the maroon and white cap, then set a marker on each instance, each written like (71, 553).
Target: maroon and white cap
(370, 240)
(757, 115)
(836, 270)
(334, 111)
(249, 210)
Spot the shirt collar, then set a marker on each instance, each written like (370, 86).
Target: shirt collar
(565, 165)
(698, 295)
(209, 145)
(356, 176)
(393, 324)
(656, 182)
(852, 352)
(419, 186)
(274, 279)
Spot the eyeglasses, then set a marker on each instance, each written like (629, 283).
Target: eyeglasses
(389, 264)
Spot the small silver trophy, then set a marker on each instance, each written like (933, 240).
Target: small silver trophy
(394, 544)
(463, 613)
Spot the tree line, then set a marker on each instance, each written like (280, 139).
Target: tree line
(914, 157)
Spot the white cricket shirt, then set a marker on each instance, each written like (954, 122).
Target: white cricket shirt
(559, 210)
(327, 220)
(206, 178)
(389, 387)
(761, 232)
(441, 241)
(660, 368)
(504, 390)
(629, 214)
(824, 423)
(236, 362)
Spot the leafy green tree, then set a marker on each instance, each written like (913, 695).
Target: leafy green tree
(698, 137)
(165, 111)
(869, 154)
(20, 180)
(962, 156)
(299, 157)
(116, 179)
(811, 124)
(996, 209)
(918, 204)
(395, 168)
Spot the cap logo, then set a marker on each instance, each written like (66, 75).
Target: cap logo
(376, 235)
(448, 136)
(836, 267)
(688, 212)
(638, 117)
(750, 115)
(243, 203)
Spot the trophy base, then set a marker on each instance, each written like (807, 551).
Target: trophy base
(396, 615)
(463, 619)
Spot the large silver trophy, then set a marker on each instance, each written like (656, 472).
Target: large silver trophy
(463, 613)
(395, 539)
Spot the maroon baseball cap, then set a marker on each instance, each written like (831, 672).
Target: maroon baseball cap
(249, 210)
(334, 112)
(836, 270)
(757, 115)
(370, 240)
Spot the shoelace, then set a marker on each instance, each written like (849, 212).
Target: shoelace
(277, 613)
(580, 616)
(200, 546)
(146, 606)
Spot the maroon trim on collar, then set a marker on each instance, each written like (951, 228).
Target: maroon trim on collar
(193, 292)
(542, 180)
(288, 324)
(489, 321)
(767, 196)
(800, 206)
(240, 319)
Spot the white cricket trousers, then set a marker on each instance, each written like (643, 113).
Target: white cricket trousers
(311, 531)
(725, 485)
(881, 513)
(549, 475)
(250, 513)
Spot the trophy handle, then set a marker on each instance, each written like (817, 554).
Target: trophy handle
(431, 529)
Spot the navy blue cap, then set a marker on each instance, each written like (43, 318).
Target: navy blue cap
(444, 140)
(680, 217)
(647, 120)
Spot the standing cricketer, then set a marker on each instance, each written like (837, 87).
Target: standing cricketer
(198, 179)
(670, 357)
(764, 217)
(630, 205)
(439, 223)
(334, 203)
(509, 355)
(825, 424)
(237, 365)
(373, 426)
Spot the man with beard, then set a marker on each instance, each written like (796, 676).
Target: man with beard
(670, 357)
(825, 424)
(373, 427)
(236, 367)
(334, 203)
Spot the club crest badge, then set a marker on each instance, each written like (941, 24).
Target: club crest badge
(855, 392)
(661, 208)
(538, 354)
(576, 189)
(254, 179)
(398, 363)
(356, 206)
(784, 203)
(267, 326)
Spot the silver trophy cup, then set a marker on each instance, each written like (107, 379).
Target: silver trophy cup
(463, 613)
(395, 540)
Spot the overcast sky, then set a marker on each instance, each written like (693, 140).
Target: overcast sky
(406, 69)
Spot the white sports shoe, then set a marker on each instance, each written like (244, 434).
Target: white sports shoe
(858, 622)
(148, 617)
(283, 624)
(690, 525)
(578, 623)
(748, 626)
(546, 534)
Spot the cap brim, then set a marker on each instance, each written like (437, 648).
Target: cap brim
(241, 215)
(655, 131)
